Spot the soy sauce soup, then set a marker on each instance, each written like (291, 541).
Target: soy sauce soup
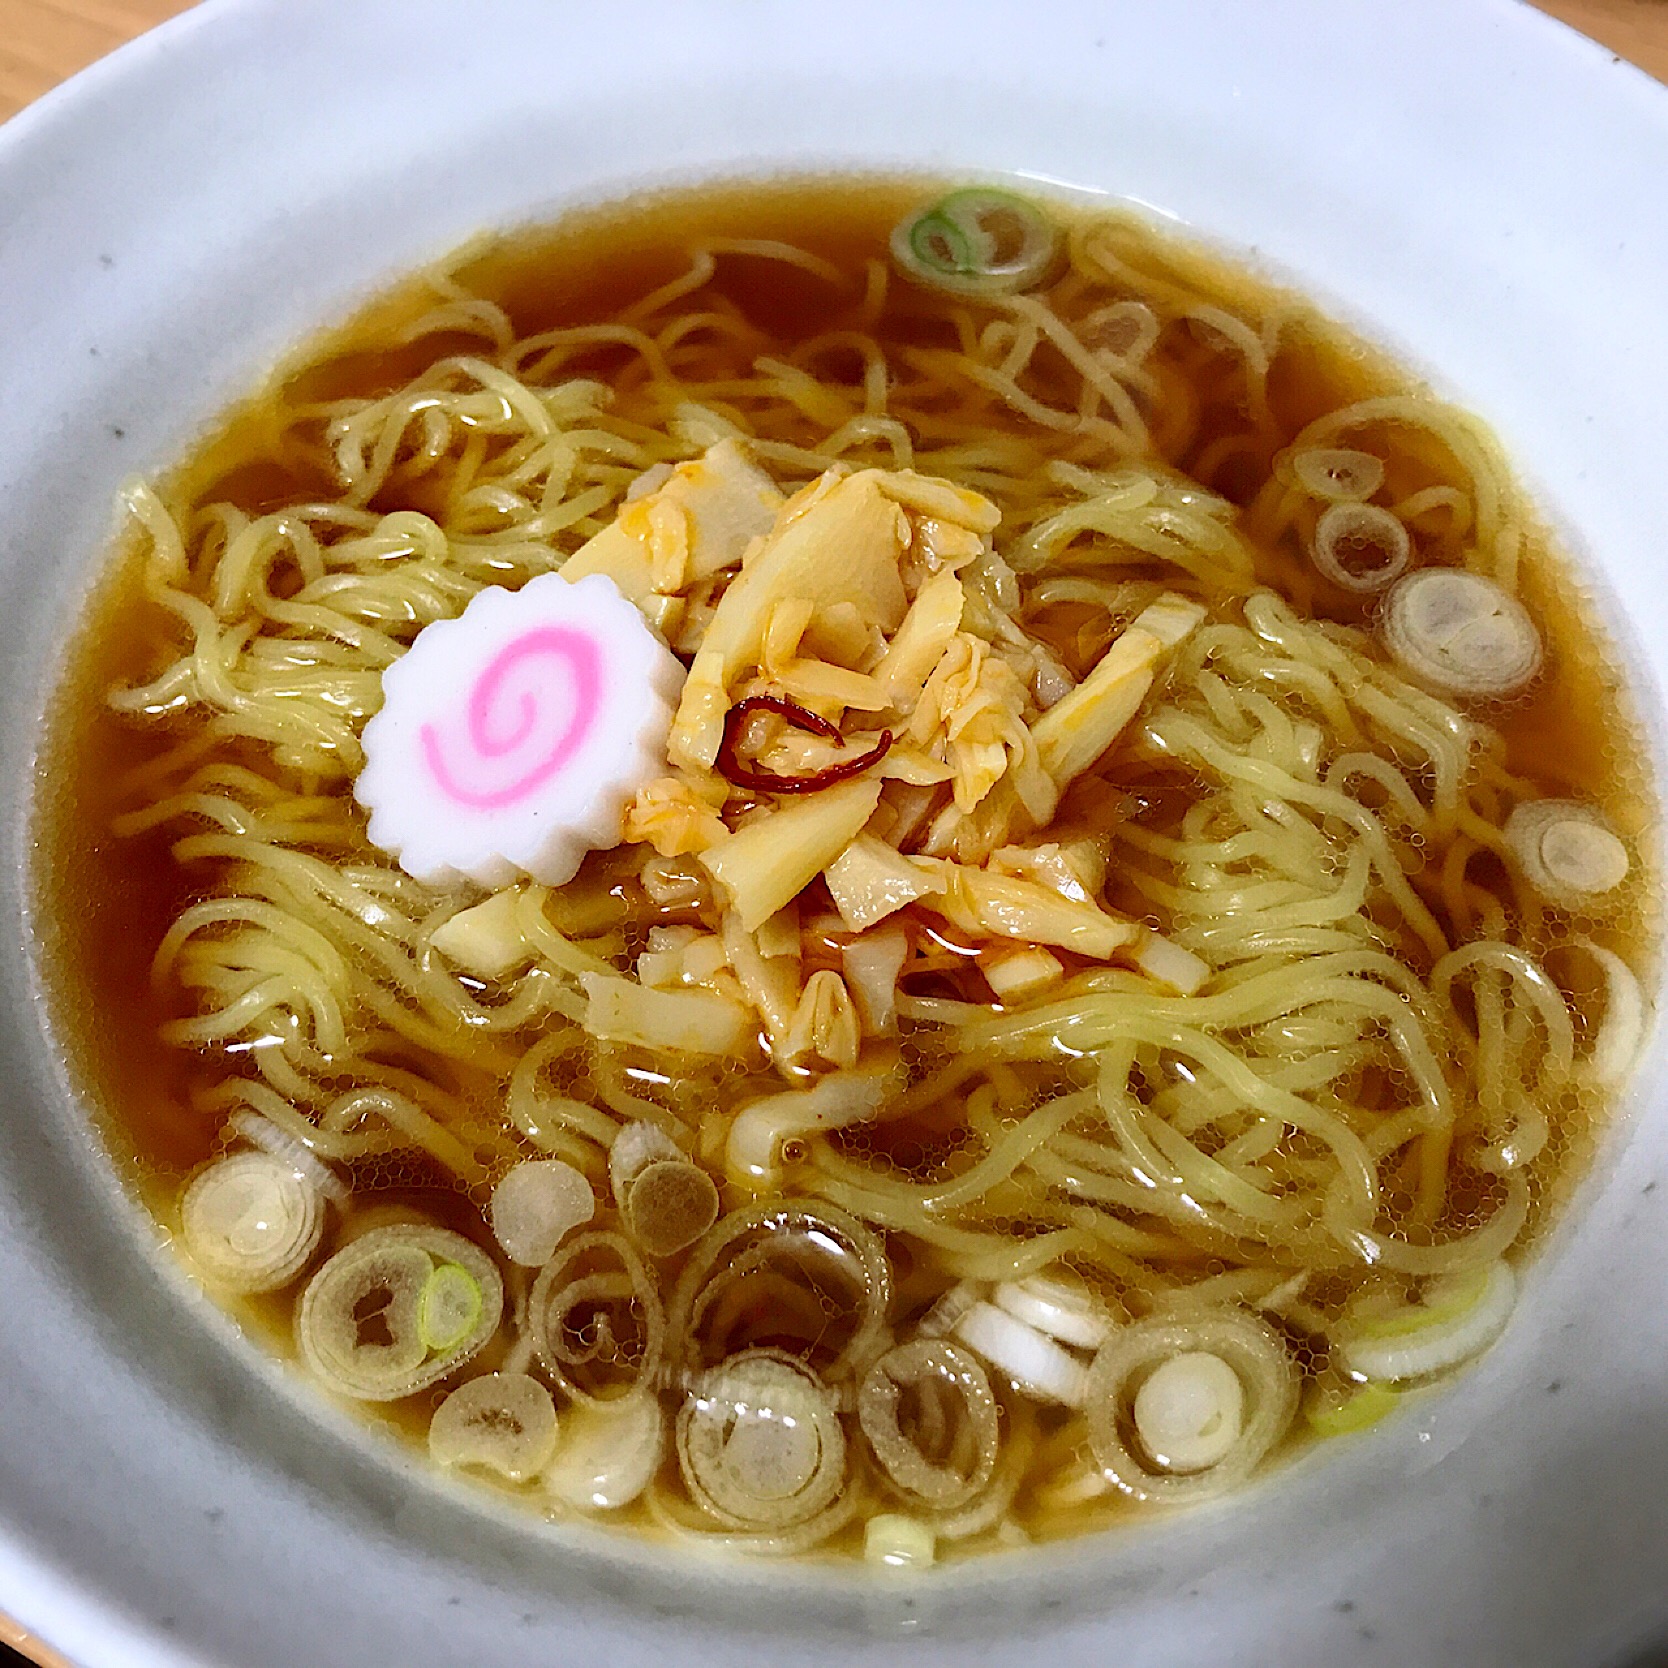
(1160, 1055)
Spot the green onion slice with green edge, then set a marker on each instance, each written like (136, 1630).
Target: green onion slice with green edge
(1355, 1412)
(450, 1307)
(397, 1310)
(977, 242)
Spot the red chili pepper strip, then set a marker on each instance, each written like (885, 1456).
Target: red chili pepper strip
(733, 768)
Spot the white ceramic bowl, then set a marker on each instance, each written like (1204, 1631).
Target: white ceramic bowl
(1471, 184)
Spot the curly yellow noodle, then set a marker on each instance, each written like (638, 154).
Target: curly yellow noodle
(1367, 1091)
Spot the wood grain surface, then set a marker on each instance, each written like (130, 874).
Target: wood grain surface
(1632, 29)
(43, 42)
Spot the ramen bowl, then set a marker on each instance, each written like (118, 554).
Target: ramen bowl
(1469, 185)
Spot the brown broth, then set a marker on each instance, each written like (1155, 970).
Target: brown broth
(106, 902)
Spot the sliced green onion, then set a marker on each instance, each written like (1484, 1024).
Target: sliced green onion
(1011, 237)
(1446, 1301)
(1339, 474)
(1236, 1342)
(1568, 852)
(1033, 1363)
(358, 1323)
(940, 246)
(1459, 633)
(595, 1320)
(504, 1421)
(942, 1317)
(608, 1454)
(800, 1274)
(251, 1222)
(260, 1131)
(1361, 547)
(1064, 1312)
(1190, 1411)
(893, 1541)
(1459, 1318)
(759, 1442)
(666, 1200)
(397, 1310)
(949, 1461)
(536, 1206)
(449, 1308)
(1366, 1407)
(977, 242)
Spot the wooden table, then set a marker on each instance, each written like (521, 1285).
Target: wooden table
(44, 41)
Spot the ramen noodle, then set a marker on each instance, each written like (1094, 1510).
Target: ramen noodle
(850, 867)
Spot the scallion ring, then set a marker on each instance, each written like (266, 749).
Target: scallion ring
(801, 1275)
(977, 242)
(595, 1319)
(397, 1310)
(1184, 1408)
(504, 1422)
(759, 1442)
(931, 1419)
(608, 1454)
(251, 1221)
(939, 245)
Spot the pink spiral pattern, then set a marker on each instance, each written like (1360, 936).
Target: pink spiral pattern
(514, 740)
